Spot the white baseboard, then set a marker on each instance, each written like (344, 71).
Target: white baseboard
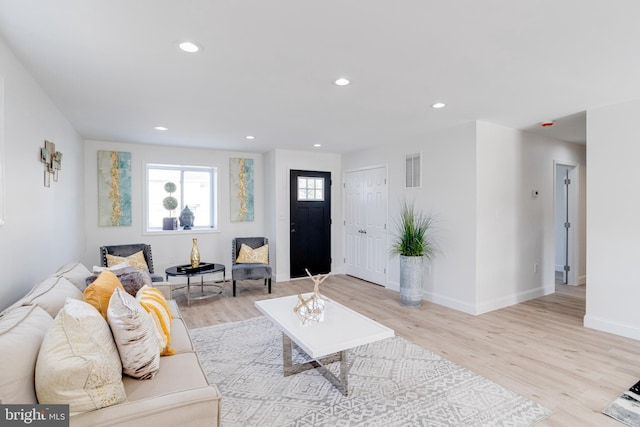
(612, 327)
(516, 298)
(453, 303)
(484, 307)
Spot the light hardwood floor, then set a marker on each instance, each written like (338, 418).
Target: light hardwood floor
(538, 349)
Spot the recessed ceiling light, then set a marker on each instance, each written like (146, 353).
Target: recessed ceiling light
(160, 128)
(317, 145)
(342, 82)
(189, 47)
(250, 137)
(439, 105)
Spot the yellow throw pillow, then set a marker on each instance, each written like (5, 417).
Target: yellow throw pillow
(99, 292)
(135, 260)
(248, 255)
(153, 301)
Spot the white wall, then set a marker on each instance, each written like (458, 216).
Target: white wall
(283, 161)
(477, 178)
(43, 227)
(448, 191)
(613, 289)
(516, 231)
(170, 247)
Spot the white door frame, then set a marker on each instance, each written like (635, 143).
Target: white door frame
(573, 241)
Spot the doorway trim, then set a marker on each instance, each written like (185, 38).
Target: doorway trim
(573, 241)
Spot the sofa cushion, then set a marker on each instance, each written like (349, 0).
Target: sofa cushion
(50, 294)
(248, 255)
(136, 260)
(177, 373)
(154, 302)
(180, 338)
(99, 292)
(135, 334)
(75, 272)
(78, 363)
(21, 333)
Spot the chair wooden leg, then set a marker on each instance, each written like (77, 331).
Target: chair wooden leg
(269, 280)
(234, 287)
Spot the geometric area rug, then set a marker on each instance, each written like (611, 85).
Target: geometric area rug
(626, 408)
(392, 382)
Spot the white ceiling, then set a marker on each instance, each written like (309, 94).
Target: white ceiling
(267, 68)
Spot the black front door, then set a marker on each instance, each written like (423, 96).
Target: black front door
(310, 231)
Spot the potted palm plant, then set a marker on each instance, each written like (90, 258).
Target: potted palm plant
(414, 243)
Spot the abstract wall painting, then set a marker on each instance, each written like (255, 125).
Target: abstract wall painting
(114, 188)
(241, 186)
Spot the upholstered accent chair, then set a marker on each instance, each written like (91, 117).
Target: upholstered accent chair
(258, 269)
(130, 249)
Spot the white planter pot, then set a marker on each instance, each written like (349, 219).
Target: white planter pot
(411, 272)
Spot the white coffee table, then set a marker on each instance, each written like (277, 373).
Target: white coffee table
(324, 342)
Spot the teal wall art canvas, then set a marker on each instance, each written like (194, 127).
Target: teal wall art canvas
(241, 185)
(114, 188)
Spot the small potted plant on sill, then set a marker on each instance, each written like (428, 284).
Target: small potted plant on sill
(414, 243)
(170, 203)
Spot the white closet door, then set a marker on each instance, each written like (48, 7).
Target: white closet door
(365, 224)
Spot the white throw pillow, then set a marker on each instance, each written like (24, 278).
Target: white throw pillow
(78, 363)
(21, 332)
(135, 334)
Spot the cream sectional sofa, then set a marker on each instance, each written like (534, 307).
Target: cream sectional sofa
(178, 395)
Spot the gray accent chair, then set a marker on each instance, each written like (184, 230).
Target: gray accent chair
(130, 249)
(240, 271)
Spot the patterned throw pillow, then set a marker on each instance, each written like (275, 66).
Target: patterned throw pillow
(99, 292)
(247, 255)
(78, 363)
(136, 336)
(136, 260)
(153, 301)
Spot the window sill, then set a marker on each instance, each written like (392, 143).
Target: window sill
(181, 232)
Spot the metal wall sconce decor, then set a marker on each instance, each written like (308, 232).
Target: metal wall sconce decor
(52, 160)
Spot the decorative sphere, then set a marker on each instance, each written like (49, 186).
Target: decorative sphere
(170, 203)
(169, 187)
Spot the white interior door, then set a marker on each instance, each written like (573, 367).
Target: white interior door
(365, 224)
